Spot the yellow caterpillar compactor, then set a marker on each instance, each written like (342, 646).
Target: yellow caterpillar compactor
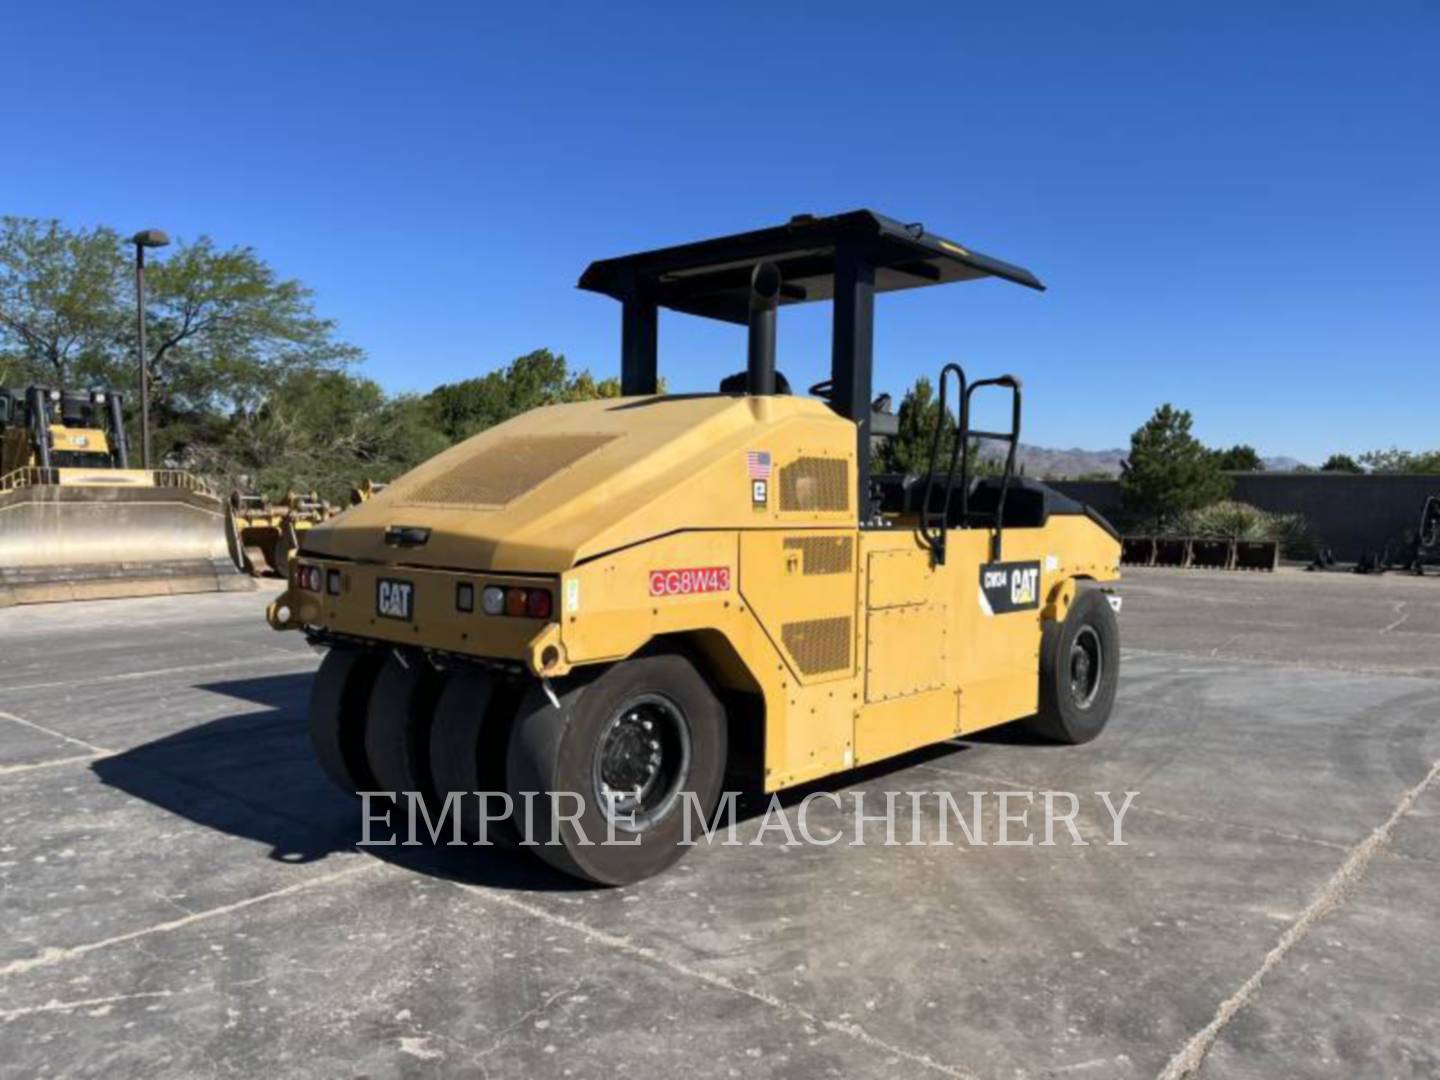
(76, 522)
(592, 610)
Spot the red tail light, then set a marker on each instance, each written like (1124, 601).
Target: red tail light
(515, 601)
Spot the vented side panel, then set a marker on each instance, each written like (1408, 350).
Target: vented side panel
(818, 645)
(505, 470)
(823, 554)
(815, 484)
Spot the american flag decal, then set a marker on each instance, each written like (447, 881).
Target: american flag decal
(757, 462)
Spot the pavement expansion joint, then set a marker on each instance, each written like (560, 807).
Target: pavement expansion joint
(95, 755)
(1189, 1059)
(625, 945)
(98, 750)
(52, 956)
(156, 673)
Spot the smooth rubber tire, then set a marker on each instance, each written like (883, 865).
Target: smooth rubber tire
(468, 743)
(554, 750)
(397, 727)
(339, 703)
(1061, 719)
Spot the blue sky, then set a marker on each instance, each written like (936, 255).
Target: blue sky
(1234, 205)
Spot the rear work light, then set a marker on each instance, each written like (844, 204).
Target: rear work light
(517, 602)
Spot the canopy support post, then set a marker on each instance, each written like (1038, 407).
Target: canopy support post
(852, 353)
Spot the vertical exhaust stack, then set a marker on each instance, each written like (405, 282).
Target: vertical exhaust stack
(764, 301)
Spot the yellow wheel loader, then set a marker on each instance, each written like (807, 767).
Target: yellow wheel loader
(587, 613)
(77, 523)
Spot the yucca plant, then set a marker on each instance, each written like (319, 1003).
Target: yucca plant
(1230, 520)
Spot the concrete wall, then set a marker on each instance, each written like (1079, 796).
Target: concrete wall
(1347, 513)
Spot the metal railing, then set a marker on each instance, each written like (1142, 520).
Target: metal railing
(186, 481)
(28, 476)
(933, 522)
(37, 476)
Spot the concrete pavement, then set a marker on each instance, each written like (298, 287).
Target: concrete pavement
(182, 896)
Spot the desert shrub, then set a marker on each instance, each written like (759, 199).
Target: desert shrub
(1230, 520)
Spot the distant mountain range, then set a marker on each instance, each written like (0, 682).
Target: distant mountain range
(1041, 461)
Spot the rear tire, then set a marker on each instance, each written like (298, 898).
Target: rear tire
(1079, 671)
(397, 728)
(339, 700)
(650, 725)
(468, 742)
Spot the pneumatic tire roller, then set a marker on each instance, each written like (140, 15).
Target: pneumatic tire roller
(567, 631)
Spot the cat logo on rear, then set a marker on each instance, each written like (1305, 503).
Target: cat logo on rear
(394, 599)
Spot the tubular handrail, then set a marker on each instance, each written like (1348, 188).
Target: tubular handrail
(1012, 437)
(933, 535)
(932, 524)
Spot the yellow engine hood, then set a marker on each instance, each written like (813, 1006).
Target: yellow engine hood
(558, 485)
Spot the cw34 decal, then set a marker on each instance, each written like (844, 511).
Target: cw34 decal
(1009, 586)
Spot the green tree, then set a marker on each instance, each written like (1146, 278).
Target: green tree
(1169, 471)
(1396, 460)
(250, 386)
(61, 310)
(1341, 463)
(321, 431)
(536, 379)
(1239, 458)
(224, 330)
(908, 451)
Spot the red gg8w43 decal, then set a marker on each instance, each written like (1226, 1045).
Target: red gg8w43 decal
(698, 579)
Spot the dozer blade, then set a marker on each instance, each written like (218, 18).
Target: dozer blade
(84, 542)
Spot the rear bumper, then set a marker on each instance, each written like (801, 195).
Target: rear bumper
(347, 607)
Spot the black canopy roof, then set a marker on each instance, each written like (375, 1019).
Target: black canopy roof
(712, 277)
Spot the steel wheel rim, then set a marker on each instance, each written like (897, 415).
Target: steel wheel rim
(641, 761)
(1087, 658)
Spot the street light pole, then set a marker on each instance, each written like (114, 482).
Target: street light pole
(148, 238)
